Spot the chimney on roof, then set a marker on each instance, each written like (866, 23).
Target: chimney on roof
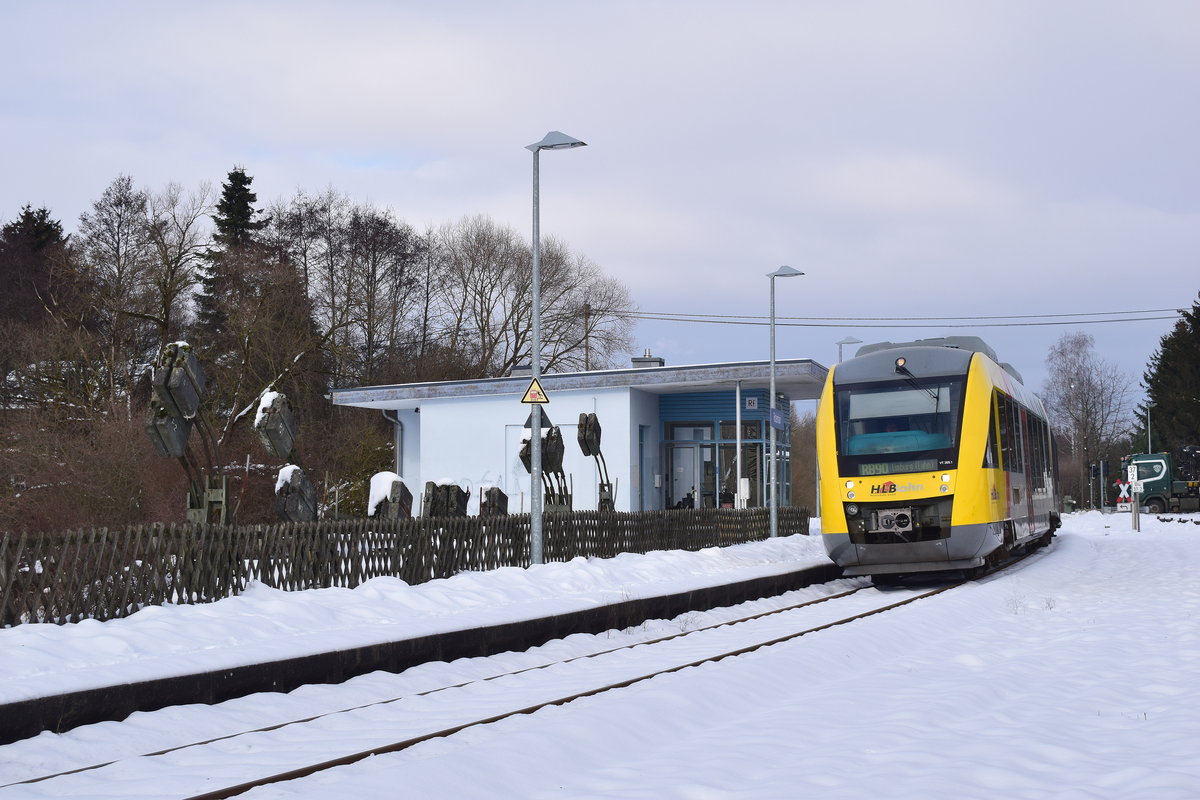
(648, 360)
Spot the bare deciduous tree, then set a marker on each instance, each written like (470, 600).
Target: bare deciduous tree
(584, 319)
(383, 254)
(179, 236)
(485, 302)
(1089, 403)
(356, 265)
(804, 459)
(117, 255)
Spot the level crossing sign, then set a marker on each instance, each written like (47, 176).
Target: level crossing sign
(534, 394)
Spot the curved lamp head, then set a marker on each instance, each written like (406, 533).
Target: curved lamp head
(555, 140)
(784, 272)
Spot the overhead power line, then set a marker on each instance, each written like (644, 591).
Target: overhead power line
(908, 322)
(893, 324)
(909, 319)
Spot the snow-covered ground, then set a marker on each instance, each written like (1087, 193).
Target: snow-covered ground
(264, 624)
(1076, 675)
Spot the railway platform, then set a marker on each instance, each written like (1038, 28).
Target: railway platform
(59, 712)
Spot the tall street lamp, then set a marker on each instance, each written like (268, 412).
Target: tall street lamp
(847, 340)
(773, 498)
(554, 140)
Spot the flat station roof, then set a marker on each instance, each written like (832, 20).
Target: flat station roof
(798, 378)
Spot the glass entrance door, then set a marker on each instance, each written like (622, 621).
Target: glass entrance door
(752, 464)
(693, 476)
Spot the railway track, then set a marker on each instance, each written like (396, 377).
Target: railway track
(217, 767)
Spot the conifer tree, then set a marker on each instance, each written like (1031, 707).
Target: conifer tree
(27, 245)
(1173, 385)
(254, 324)
(236, 244)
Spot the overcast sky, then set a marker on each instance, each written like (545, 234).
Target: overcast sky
(915, 159)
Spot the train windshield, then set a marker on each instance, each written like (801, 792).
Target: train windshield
(898, 426)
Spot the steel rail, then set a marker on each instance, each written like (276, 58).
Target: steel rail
(428, 692)
(311, 769)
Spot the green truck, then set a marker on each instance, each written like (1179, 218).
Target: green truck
(1169, 483)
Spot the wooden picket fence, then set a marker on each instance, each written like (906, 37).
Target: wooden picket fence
(107, 573)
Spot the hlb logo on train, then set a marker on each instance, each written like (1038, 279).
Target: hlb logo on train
(891, 487)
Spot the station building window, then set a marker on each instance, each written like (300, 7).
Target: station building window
(703, 471)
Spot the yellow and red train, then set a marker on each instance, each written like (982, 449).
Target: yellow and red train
(933, 457)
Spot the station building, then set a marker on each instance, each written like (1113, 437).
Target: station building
(670, 435)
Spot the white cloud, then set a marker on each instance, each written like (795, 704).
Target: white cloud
(903, 185)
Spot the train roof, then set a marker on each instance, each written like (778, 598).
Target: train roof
(970, 343)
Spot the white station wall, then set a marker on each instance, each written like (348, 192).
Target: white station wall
(407, 440)
(645, 453)
(476, 443)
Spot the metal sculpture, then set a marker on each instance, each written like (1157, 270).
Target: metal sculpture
(588, 436)
(275, 425)
(555, 489)
(179, 383)
(177, 408)
(295, 497)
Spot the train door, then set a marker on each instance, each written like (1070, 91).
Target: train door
(1026, 526)
(1014, 461)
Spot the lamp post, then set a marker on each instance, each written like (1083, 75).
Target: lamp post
(773, 497)
(554, 140)
(847, 340)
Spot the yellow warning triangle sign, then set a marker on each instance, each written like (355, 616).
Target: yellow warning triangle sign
(534, 394)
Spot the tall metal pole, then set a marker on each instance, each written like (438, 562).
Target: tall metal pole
(535, 450)
(847, 340)
(773, 499)
(738, 501)
(554, 140)
(1148, 448)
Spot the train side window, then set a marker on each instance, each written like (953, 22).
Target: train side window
(1046, 450)
(1019, 434)
(992, 450)
(1037, 451)
(1004, 409)
(1011, 426)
